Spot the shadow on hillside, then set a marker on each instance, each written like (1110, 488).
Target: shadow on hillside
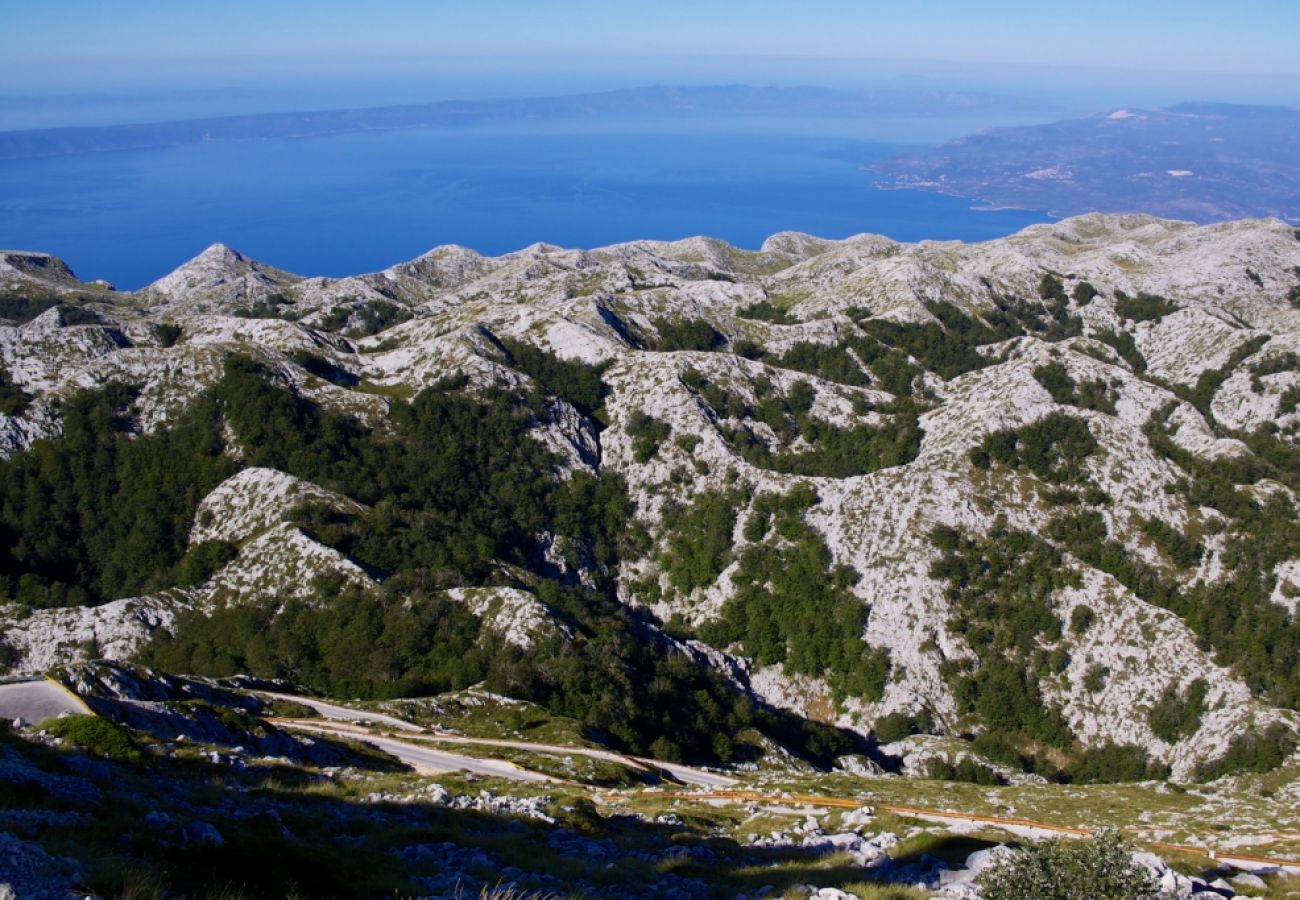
(196, 828)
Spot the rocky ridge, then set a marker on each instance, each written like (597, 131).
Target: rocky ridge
(355, 344)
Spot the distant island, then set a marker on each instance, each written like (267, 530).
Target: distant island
(696, 103)
(1204, 162)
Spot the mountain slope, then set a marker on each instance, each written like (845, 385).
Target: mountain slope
(979, 490)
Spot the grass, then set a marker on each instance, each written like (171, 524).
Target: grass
(95, 735)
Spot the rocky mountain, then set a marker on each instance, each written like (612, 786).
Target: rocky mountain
(1030, 503)
(1207, 162)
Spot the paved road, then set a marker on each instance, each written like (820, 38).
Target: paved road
(684, 774)
(422, 758)
(334, 711)
(36, 701)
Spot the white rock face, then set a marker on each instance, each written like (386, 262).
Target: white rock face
(517, 616)
(255, 500)
(1229, 282)
(50, 637)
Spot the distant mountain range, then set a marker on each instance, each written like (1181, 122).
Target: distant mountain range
(687, 103)
(1200, 161)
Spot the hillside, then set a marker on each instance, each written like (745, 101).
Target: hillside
(1029, 503)
(1208, 162)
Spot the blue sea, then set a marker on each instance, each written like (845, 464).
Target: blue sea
(353, 203)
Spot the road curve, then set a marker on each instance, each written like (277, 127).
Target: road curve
(684, 774)
(343, 713)
(420, 757)
(38, 700)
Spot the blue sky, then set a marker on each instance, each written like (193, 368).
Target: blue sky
(83, 43)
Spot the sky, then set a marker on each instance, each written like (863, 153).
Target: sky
(74, 41)
(88, 62)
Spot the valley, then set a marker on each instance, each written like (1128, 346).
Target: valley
(1003, 531)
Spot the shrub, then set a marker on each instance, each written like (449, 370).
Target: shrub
(1082, 618)
(684, 334)
(1256, 752)
(1144, 307)
(766, 311)
(167, 334)
(893, 727)
(965, 769)
(1177, 715)
(1100, 868)
(647, 433)
(95, 735)
(13, 399)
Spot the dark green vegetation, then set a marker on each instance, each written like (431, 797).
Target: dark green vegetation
(1101, 868)
(1257, 752)
(370, 317)
(890, 355)
(964, 769)
(1053, 449)
(648, 433)
(699, 544)
(23, 306)
(1002, 588)
(97, 514)
(1208, 382)
(454, 489)
(167, 334)
(1122, 343)
(1093, 394)
(766, 311)
(95, 735)
(794, 606)
(834, 451)
(1234, 616)
(1178, 714)
(579, 384)
(682, 334)
(13, 399)
(1144, 307)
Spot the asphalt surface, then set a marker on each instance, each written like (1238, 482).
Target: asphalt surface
(36, 701)
(684, 774)
(420, 757)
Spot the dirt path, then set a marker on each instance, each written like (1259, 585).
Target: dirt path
(1024, 827)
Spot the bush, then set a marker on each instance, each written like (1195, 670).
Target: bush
(965, 769)
(1052, 448)
(684, 334)
(95, 735)
(1100, 868)
(766, 311)
(1144, 307)
(13, 399)
(1178, 715)
(1082, 618)
(1255, 752)
(647, 433)
(893, 727)
(1114, 763)
(167, 334)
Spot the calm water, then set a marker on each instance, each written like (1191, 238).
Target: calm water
(359, 202)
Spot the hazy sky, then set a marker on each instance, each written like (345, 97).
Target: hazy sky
(82, 44)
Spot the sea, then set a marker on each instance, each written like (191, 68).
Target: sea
(358, 202)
